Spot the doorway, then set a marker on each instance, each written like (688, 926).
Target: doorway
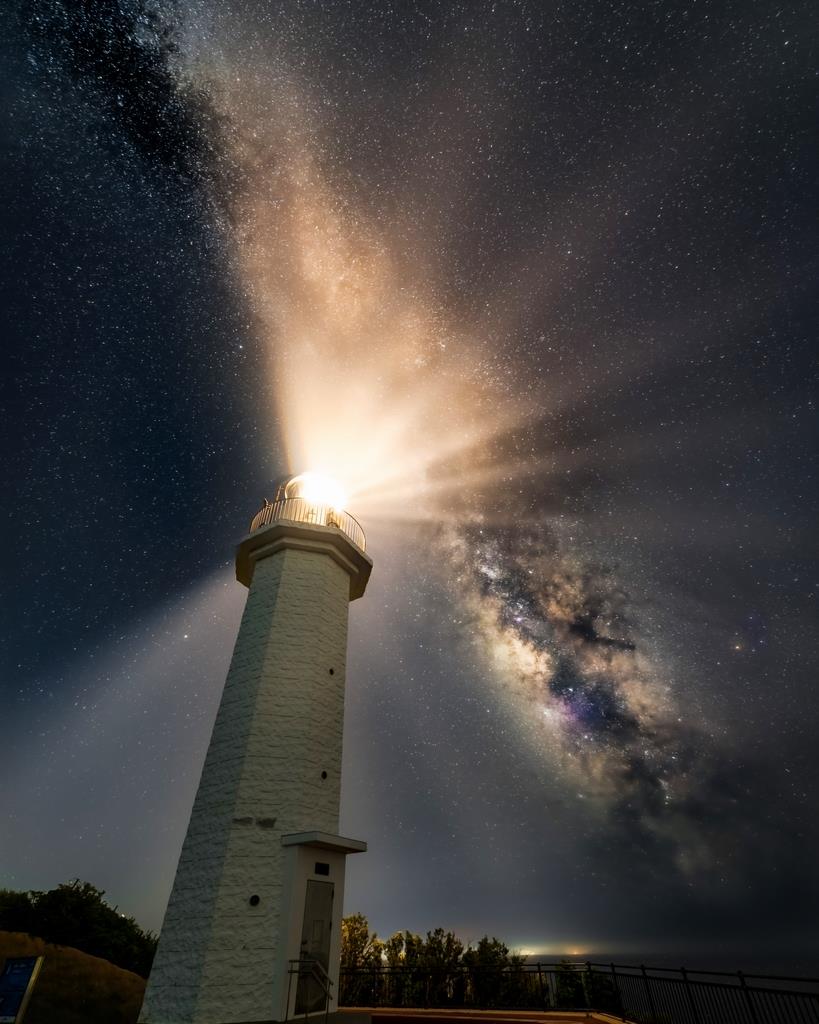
(312, 992)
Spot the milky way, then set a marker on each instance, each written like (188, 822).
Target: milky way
(538, 287)
(562, 639)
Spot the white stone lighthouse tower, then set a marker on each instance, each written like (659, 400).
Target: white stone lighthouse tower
(253, 926)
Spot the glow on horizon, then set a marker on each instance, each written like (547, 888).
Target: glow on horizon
(551, 949)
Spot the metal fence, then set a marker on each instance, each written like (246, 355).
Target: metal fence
(299, 510)
(643, 995)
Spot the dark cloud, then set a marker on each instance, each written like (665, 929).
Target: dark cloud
(583, 627)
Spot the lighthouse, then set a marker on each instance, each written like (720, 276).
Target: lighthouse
(252, 931)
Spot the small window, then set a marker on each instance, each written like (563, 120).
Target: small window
(321, 869)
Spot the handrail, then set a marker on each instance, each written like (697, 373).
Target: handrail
(318, 973)
(651, 995)
(694, 970)
(299, 510)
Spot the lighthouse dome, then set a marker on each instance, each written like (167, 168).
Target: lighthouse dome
(310, 499)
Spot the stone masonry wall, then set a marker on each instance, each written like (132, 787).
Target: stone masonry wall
(279, 727)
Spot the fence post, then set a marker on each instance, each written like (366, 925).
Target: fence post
(748, 999)
(589, 987)
(695, 1017)
(540, 985)
(289, 983)
(648, 993)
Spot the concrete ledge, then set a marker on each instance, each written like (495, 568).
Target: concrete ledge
(397, 1015)
(325, 841)
(326, 540)
(401, 1015)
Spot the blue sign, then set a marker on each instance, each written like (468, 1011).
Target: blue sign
(16, 983)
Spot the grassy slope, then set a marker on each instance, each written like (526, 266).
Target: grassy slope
(75, 988)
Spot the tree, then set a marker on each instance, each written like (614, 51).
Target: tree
(358, 947)
(394, 960)
(76, 914)
(442, 950)
(486, 963)
(361, 961)
(569, 985)
(442, 960)
(394, 951)
(16, 911)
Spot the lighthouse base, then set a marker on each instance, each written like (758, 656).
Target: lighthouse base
(310, 951)
(302, 973)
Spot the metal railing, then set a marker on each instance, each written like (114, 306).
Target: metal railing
(643, 995)
(299, 510)
(313, 985)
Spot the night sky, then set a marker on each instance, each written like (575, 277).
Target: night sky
(538, 283)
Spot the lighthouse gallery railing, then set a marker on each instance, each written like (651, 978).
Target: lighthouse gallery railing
(299, 510)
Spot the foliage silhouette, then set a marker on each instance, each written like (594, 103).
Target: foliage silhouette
(436, 971)
(76, 914)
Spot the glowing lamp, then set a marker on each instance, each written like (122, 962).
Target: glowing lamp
(308, 499)
(317, 490)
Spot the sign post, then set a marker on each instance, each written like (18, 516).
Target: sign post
(16, 984)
